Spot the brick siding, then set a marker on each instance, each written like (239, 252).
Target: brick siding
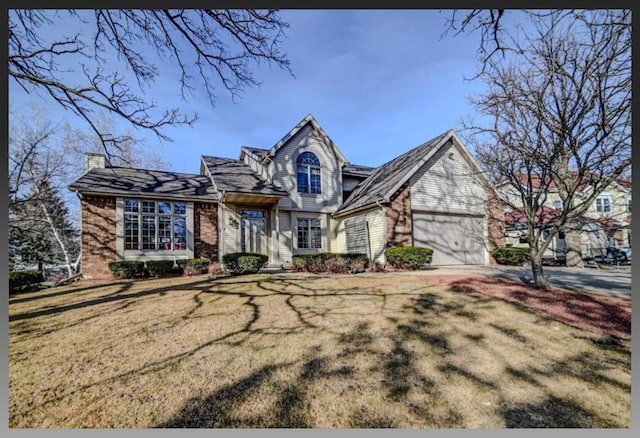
(205, 230)
(495, 219)
(398, 218)
(98, 236)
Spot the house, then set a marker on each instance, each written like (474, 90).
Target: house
(606, 223)
(299, 196)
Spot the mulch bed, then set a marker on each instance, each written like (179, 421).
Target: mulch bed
(589, 311)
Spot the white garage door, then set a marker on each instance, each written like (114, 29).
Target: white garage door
(455, 240)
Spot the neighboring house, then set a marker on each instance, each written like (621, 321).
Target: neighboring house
(300, 196)
(607, 222)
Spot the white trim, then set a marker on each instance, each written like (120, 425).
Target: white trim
(143, 255)
(294, 232)
(306, 120)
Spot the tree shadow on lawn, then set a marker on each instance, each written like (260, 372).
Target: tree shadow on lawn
(291, 408)
(553, 412)
(596, 313)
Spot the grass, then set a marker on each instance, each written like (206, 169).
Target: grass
(296, 350)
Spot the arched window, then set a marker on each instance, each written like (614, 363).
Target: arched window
(308, 173)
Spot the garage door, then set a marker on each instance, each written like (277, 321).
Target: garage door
(455, 240)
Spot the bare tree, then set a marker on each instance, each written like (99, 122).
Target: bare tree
(209, 47)
(39, 226)
(559, 105)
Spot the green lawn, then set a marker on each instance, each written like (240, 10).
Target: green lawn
(294, 350)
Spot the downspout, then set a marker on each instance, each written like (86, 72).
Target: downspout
(78, 260)
(221, 226)
(384, 224)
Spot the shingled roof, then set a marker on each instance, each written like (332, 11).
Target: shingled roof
(259, 152)
(141, 182)
(379, 185)
(235, 176)
(357, 170)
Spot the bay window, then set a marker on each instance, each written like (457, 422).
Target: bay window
(155, 226)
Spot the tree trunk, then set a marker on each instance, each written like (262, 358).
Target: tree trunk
(540, 282)
(573, 248)
(58, 238)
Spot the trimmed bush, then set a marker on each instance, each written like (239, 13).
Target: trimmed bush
(20, 281)
(238, 263)
(165, 268)
(325, 261)
(196, 266)
(127, 269)
(511, 255)
(408, 257)
(337, 265)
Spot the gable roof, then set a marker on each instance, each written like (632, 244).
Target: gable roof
(382, 182)
(308, 119)
(142, 182)
(357, 170)
(236, 176)
(258, 152)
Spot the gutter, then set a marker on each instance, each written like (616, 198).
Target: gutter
(359, 209)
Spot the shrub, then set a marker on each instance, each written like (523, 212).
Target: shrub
(20, 281)
(216, 269)
(318, 262)
(511, 255)
(164, 268)
(337, 265)
(238, 263)
(196, 266)
(408, 257)
(299, 265)
(358, 266)
(127, 269)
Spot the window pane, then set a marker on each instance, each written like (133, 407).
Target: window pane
(315, 180)
(599, 204)
(303, 233)
(164, 207)
(131, 205)
(315, 232)
(164, 232)
(130, 231)
(180, 233)
(607, 205)
(179, 208)
(303, 179)
(148, 207)
(308, 158)
(148, 232)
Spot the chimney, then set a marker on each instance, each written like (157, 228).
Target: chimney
(96, 161)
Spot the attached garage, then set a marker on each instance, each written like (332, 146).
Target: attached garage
(455, 239)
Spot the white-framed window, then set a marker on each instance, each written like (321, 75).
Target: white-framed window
(603, 204)
(308, 173)
(155, 225)
(557, 204)
(309, 233)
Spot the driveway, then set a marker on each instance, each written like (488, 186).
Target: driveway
(613, 281)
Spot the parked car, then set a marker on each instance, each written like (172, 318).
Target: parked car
(618, 254)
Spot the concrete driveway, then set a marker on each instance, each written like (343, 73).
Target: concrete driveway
(613, 281)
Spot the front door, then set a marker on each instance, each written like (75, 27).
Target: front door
(253, 231)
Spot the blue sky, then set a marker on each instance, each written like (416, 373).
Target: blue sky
(380, 82)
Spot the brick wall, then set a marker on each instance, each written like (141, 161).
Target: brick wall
(495, 219)
(98, 236)
(398, 218)
(205, 230)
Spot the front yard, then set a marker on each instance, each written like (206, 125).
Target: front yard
(294, 350)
